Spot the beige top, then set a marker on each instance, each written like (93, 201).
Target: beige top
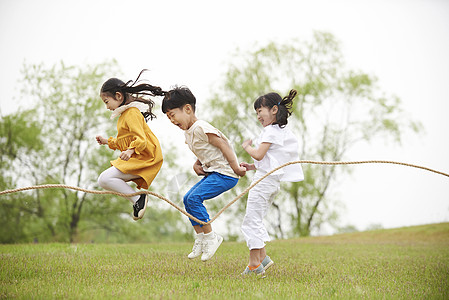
(211, 157)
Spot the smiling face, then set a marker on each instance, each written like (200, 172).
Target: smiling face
(266, 116)
(111, 102)
(183, 117)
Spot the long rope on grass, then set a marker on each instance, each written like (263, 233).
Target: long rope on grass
(48, 186)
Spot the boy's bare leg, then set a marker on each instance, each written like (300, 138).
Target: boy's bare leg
(205, 229)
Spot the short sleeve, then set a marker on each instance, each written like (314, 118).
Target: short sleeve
(208, 128)
(272, 135)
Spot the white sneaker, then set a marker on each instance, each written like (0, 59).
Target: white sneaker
(210, 246)
(197, 247)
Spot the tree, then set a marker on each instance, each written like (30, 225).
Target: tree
(54, 142)
(335, 110)
(18, 136)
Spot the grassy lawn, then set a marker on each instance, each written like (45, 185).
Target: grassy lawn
(405, 263)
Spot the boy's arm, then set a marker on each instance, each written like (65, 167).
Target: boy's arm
(228, 153)
(256, 153)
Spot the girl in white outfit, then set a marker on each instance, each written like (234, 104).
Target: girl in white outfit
(275, 146)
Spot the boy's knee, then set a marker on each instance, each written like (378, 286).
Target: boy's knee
(191, 199)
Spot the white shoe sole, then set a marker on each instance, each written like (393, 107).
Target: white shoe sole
(142, 211)
(268, 265)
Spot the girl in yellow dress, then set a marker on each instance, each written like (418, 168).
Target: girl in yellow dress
(141, 157)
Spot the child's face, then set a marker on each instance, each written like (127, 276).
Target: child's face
(266, 116)
(183, 117)
(111, 102)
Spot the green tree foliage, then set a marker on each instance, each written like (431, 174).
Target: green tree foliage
(335, 109)
(54, 142)
(19, 136)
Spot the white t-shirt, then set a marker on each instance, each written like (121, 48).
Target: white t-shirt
(211, 157)
(284, 148)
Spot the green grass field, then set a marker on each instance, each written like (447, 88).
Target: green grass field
(405, 263)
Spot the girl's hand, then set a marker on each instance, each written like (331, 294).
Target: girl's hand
(247, 143)
(247, 166)
(126, 155)
(241, 171)
(101, 140)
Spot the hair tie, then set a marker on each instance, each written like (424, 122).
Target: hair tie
(279, 103)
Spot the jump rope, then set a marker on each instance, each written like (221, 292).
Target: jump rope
(50, 186)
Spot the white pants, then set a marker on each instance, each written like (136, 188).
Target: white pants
(113, 179)
(260, 198)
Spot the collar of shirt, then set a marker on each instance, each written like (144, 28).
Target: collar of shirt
(119, 110)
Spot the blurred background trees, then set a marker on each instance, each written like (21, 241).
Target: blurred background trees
(53, 141)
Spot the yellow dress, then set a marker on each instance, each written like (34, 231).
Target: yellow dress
(133, 132)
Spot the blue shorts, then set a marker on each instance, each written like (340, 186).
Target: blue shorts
(212, 185)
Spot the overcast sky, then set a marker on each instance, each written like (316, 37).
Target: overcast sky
(404, 43)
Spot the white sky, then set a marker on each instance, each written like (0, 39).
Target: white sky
(404, 43)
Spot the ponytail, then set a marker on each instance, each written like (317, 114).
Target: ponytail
(287, 101)
(284, 105)
(128, 89)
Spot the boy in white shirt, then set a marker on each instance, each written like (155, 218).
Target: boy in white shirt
(216, 161)
(275, 146)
